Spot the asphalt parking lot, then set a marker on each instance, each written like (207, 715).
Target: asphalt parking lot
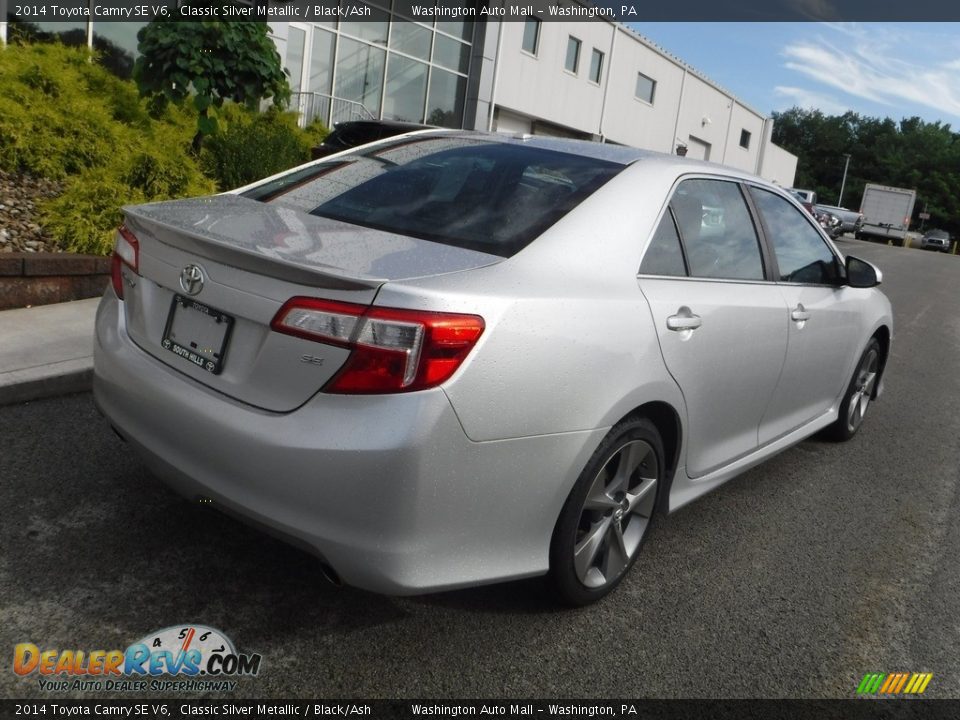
(794, 580)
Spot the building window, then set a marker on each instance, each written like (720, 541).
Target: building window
(596, 66)
(572, 62)
(745, 139)
(406, 90)
(359, 73)
(531, 35)
(646, 88)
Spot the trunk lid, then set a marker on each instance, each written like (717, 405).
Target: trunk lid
(215, 271)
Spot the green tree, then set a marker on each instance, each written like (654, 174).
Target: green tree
(210, 62)
(912, 153)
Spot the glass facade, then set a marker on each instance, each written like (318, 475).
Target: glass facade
(359, 72)
(406, 89)
(117, 44)
(296, 48)
(395, 67)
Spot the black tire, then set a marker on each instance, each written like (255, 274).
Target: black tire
(860, 390)
(618, 518)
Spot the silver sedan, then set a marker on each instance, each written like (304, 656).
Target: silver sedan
(451, 358)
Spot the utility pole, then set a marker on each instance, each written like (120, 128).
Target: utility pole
(843, 183)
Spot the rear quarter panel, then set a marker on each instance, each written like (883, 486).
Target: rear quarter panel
(569, 343)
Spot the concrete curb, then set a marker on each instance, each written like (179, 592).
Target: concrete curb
(63, 378)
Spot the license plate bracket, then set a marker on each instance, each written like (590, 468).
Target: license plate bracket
(198, 333)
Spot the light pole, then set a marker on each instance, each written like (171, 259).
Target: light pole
(843, 183)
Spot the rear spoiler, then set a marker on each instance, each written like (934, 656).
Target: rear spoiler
(222, 249)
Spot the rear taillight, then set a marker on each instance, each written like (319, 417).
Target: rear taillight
(393, 350)
(126, 250)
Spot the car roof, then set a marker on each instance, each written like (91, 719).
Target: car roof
(620, 154)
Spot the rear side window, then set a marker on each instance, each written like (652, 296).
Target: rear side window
(716, 229)
(664, 256)
(802, 255)
(489, 196)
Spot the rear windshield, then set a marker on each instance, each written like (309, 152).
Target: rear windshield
(477, 194)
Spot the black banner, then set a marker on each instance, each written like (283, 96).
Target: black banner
(476, 10)
(505, 709)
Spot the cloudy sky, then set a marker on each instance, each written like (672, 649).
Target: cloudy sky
(892, 70)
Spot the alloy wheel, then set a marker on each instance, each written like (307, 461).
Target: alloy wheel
(863, 387)
(616, 513)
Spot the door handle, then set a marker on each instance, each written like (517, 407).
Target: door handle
(683, 320)
(799, 314)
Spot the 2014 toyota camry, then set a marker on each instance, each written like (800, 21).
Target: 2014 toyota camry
(451, 358)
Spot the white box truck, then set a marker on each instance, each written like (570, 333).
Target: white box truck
(886, 211)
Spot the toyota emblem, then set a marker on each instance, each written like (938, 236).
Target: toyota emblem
(191, 279)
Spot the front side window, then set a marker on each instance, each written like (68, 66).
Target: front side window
(646, 88)
(717, 231)
(572, 62)
(493, 197)
(802, 255)
(531, 35)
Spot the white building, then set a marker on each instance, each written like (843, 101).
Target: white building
(586, 79)
(604, 81)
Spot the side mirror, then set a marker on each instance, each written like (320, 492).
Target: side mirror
(861, 274)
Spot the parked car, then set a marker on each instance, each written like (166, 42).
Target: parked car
(808, 196)
(936, 240)
(830, 223)
(802, 199)
(464, 358)
(850, 220)
(353, 133)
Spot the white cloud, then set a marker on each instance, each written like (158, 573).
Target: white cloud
(894, 67)
(809, 100)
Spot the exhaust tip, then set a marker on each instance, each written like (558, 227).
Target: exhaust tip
(330, 575)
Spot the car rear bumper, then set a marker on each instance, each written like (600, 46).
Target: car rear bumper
(388, 490)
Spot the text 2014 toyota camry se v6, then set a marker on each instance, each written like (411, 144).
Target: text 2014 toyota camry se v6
(452, 358)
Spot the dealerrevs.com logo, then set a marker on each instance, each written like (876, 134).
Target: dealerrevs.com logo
(178, 658)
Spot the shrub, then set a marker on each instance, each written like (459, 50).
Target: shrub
(51, 124)
(64, 118)
(316, 133)
(85, 216)
(254, 146)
